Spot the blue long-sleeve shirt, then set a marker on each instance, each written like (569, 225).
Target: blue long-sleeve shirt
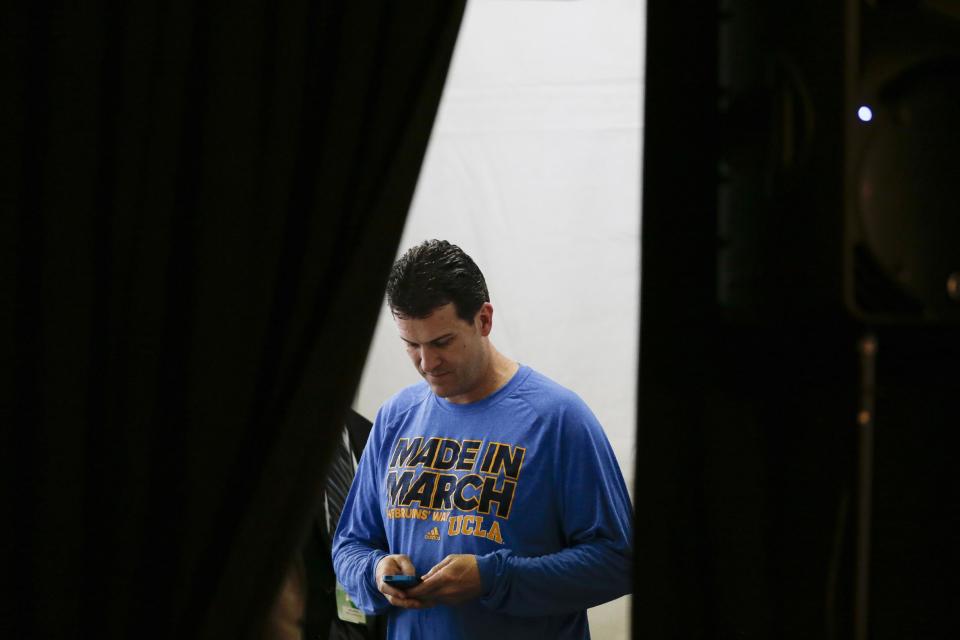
(524, 479)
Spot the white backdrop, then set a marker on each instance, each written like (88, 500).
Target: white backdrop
(533, 169)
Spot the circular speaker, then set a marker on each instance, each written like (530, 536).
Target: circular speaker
(908, 189)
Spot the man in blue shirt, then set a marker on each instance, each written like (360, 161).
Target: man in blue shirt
(491, 483)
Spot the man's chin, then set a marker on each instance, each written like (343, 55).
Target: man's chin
(439, 390)
(438, 386)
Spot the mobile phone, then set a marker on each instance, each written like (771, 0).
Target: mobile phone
(401, 582)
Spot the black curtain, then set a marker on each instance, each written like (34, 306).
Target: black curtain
(201, 202)
(677, 322)
(754, 388)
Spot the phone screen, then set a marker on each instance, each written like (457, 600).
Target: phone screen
(401, 582)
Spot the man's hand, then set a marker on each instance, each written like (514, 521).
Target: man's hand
(392, 565)
(453, 580)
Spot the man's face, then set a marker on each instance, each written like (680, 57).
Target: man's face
(450, 353)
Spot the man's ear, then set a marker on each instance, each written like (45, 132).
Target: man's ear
(484, 319)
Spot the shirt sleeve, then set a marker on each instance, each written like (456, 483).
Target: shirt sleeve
(360, 540)
(596, 564)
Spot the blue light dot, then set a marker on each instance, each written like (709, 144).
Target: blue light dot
(865, 113)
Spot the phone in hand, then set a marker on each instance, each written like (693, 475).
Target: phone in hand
(401, 582)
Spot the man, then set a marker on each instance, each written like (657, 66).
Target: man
(490, 482)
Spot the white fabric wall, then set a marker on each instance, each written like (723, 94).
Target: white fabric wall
(533, 169)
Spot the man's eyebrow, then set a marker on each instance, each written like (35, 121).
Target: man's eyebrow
(434, 341)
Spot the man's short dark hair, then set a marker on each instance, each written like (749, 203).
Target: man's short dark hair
(432, 274)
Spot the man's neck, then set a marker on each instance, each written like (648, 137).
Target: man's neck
(502, 369)
(498, 372)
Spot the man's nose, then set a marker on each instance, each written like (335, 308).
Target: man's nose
(429, 359)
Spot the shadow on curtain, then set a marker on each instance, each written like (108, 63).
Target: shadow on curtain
(201, 204)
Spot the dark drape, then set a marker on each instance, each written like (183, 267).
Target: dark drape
(200, 205)
(753, 388)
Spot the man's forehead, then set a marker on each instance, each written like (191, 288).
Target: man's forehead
(442, 310)
(440, 323)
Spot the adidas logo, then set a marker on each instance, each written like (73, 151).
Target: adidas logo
(433, 534)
